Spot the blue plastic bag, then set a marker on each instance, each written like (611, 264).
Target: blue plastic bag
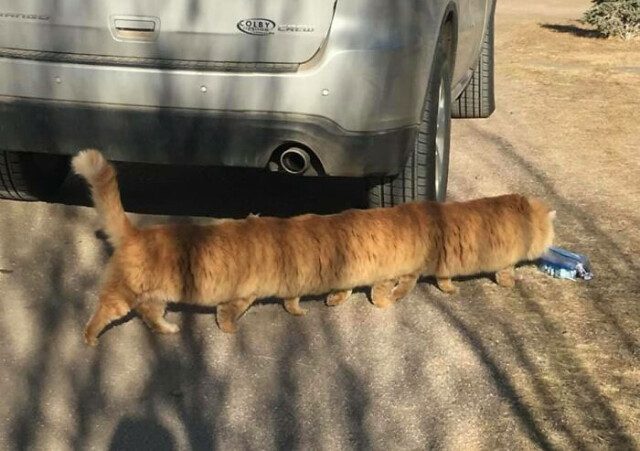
(562, 264)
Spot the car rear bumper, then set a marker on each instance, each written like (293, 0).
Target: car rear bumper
(360, 90)
(197, 137)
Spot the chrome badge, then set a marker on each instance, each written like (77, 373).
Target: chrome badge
(257, 26)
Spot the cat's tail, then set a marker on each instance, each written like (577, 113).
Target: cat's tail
(101, 177)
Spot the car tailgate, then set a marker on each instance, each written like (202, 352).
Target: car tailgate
(243, 31)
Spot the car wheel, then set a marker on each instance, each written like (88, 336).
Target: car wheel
(426, 171)
(31, 176)
(478, 98)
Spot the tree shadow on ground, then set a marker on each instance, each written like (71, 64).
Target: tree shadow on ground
(141, 433)
(574, 30)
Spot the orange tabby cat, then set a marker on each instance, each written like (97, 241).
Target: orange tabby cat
(229, 264)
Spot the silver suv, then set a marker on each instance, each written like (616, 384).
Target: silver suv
(351, 88)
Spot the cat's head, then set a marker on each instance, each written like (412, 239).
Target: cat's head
(542, 218)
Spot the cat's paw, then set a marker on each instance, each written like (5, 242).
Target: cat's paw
(447, 286)
(295, 310)
(506, 279)
(167, 328)
(228, 327)
(292, 306)
(90, 340)
(298, 312)
(381, 301)
(506, 282)
(337, 297)
(381, 294)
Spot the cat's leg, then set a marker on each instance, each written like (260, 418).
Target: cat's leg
(113, 304)
(444, 283)
(338, 297)
(227, 314)
(506, 277)
(405, 285)
(152, 313)
(292, 305)
(382, 293)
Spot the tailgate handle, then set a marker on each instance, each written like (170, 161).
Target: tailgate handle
(135, 25)
(135, 28)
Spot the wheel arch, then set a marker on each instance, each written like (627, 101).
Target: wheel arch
(449, 33)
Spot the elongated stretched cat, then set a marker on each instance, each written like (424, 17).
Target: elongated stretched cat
(231, 263)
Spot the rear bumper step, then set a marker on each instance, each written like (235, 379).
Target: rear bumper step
(155, 63)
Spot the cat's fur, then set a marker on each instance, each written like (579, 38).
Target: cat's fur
(229, 264)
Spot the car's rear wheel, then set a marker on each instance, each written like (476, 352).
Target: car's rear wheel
(478, 98)
(426, 171)
(31, 176)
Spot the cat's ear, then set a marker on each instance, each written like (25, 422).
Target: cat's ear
(552, 215)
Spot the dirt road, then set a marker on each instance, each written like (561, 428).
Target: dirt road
(550, 364)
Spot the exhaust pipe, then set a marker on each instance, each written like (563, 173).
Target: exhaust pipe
(295, 160)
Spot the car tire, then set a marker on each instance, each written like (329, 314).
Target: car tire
(478, 98)
(31, 176)
(425, 174)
